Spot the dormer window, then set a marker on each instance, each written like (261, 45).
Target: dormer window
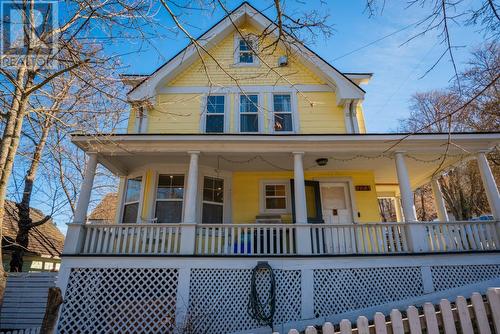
(244, 51)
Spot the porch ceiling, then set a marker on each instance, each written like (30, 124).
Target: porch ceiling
(123, 154)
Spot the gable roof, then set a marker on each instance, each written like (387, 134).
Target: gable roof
(346, 88)
(44, 240)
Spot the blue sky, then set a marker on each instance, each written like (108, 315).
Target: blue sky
(397, 68)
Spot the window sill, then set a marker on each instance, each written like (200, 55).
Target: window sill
(256, 64)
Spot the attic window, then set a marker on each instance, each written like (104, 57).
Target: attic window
(243, 50)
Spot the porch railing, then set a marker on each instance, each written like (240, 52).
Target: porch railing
(286, 239)
(131, 239)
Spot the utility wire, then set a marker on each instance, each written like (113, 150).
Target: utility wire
(375, 41)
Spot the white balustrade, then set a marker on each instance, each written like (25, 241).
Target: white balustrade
(283, 239)
(246, 239)
(132, 239)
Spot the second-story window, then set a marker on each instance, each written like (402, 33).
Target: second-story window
(249, 113)
(131, 203)
(214, 118)
(169, 198)
(282, 108)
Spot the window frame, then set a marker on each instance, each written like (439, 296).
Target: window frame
(203, 201)
(260, 123)
(263, 196)
(293, 113)
(124, 197)
(237, 52)
(225, 114)
(156, 199)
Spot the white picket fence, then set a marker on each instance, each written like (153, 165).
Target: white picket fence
(460, 317)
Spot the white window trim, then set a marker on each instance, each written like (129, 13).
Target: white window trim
(224, 199)
(141, 197)
(203, 113)
(236, 49)
(226, 176)
(262, 197)
(293, 112)
(260, 114)
(155, 197)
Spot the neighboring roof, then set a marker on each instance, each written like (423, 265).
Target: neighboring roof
(44, 240)
(106, 209)
(346, 87)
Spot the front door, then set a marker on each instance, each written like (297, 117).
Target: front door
(336, 203)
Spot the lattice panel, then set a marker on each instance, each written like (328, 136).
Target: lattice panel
(338, 291)
(448, 277)
(218, 299)
(119, 300)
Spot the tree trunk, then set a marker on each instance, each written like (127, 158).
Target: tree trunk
(8, 149)
(54, 301)
(25, 223)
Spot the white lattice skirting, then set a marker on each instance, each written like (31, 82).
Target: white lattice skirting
(208, 299)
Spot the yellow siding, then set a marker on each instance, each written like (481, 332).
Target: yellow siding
(319, 113)
(246, 192)
(361, 119)
(181, 112)
(175, 113)
(196, 75)
(131, 121)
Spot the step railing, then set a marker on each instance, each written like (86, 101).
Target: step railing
(284, 239)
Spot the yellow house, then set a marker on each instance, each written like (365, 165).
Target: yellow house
(235, 154)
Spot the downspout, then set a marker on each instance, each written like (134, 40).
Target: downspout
(352, 117)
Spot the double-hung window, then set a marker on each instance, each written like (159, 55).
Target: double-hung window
(169, 198)
(249, 113)
(131, 203)
(214, 117)
(282, 109)
(275, 197)
(213, 200)
(245, 52)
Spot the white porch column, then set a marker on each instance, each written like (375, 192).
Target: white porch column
(416, 233)
(439, 201)
(489, 184)
(188, 233)
(74, 234)
(82, 205)
(303, 233)
(405, 188)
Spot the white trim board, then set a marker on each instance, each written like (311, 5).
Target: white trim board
(244, 89)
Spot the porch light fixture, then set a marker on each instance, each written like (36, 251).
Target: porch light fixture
(322, 161)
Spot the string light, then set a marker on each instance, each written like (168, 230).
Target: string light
(335, 158)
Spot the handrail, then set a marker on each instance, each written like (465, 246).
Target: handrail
(288, 238)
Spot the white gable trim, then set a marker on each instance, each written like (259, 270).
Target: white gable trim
(345, 88)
